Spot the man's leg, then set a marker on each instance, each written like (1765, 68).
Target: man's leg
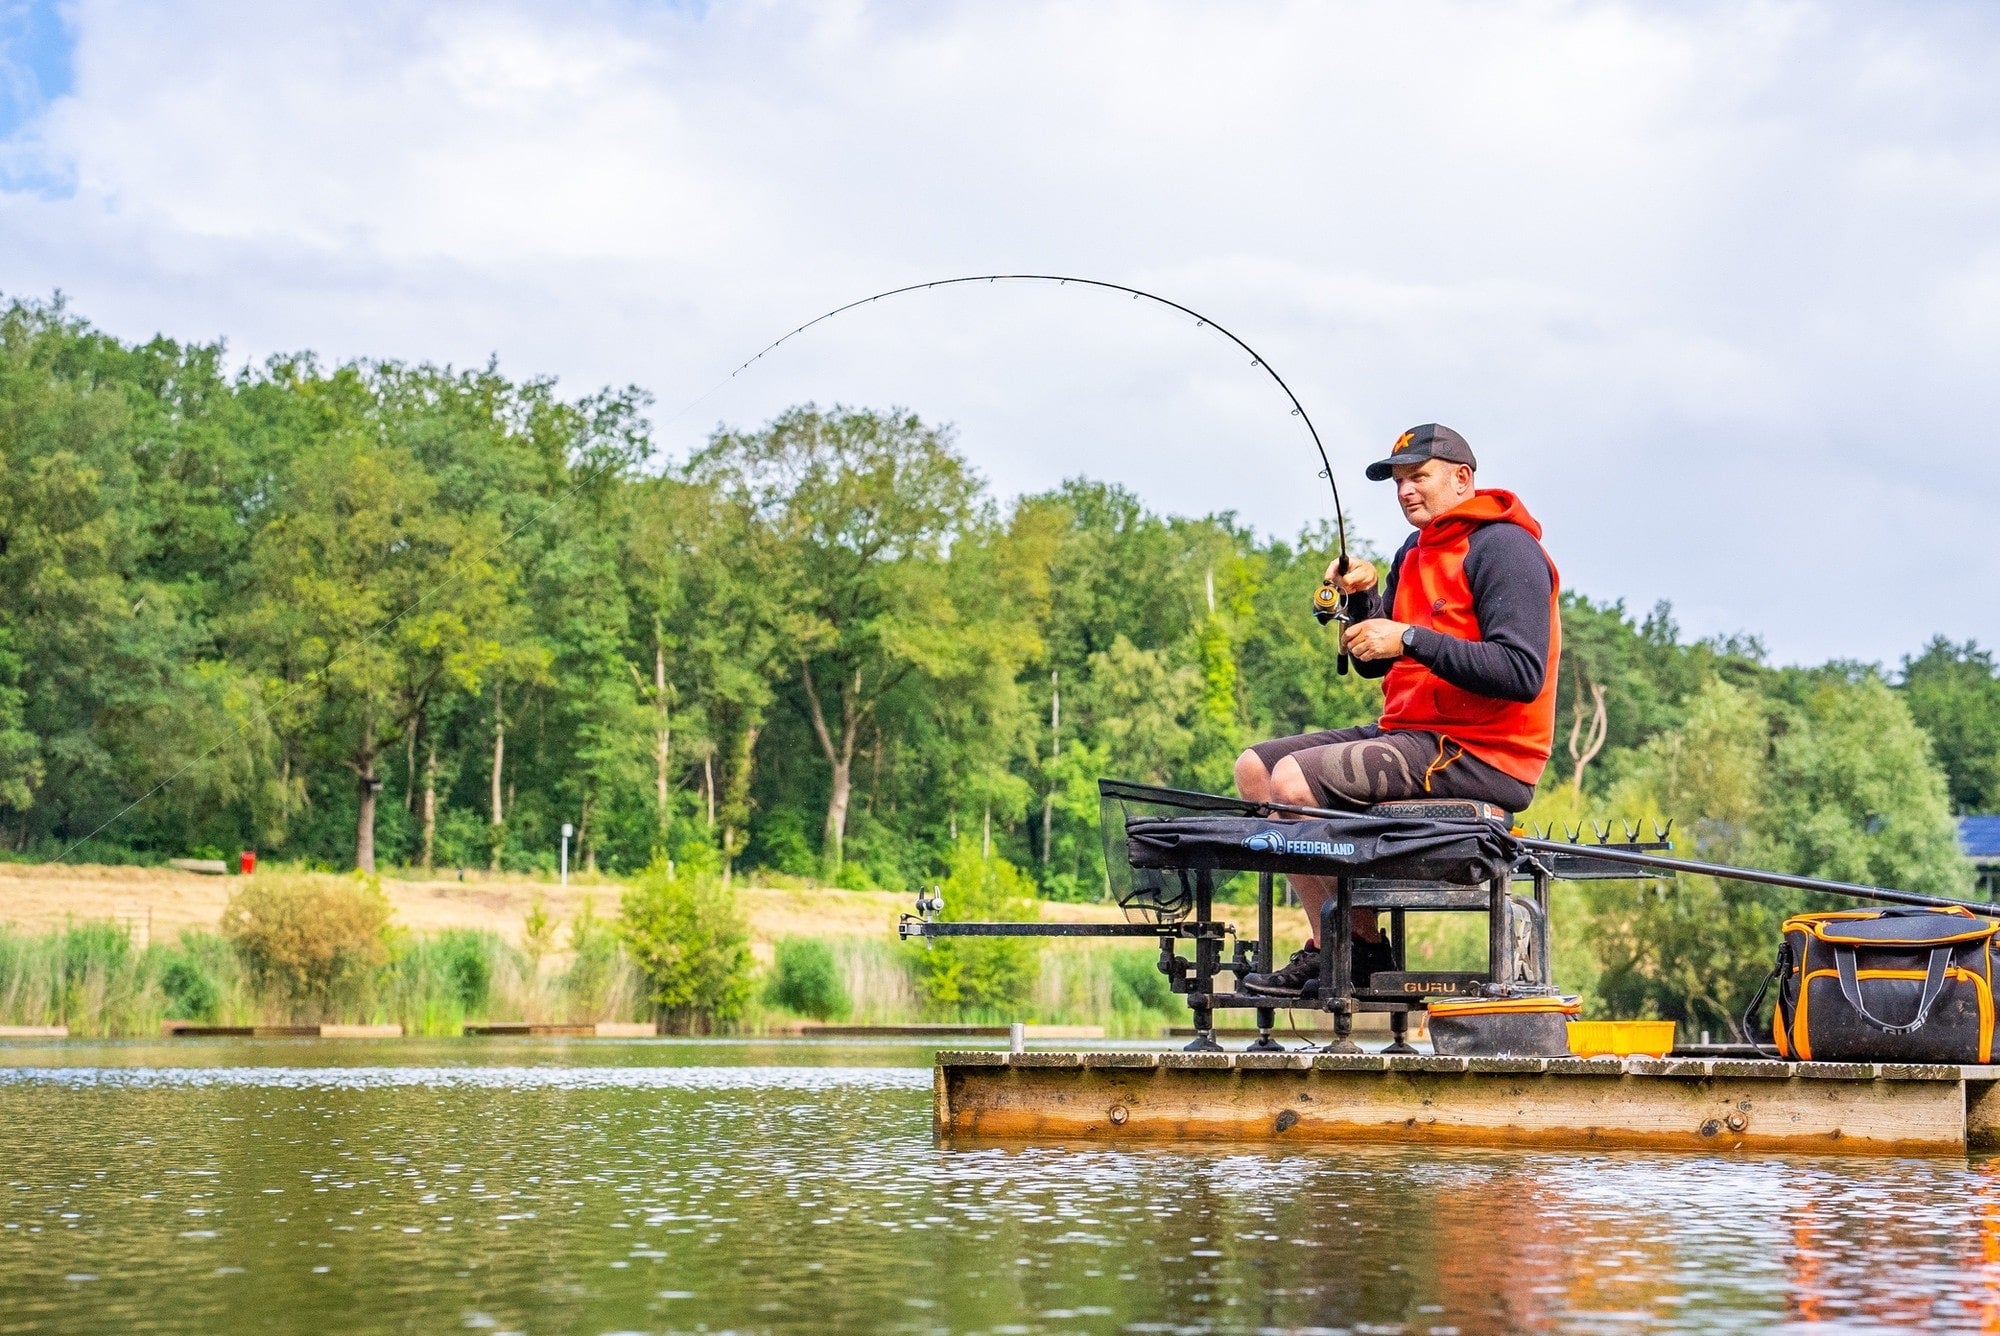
(1344, 769)
(1288, 785)
(1267, 772)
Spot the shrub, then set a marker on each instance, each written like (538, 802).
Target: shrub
(805, 979)
(593, 945)
(690, 939)
(191, 994)
(1138, 985)
(436, 982)
(311, 942)
(969, 976)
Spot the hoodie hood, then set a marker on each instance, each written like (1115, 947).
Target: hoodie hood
(1488, 505)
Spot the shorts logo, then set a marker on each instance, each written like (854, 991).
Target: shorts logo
(1274, 842)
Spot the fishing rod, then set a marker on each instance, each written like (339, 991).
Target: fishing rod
(1852, 890)
(1329, 601)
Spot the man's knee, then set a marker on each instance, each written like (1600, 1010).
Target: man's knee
(1253, 780)
(1288, 784)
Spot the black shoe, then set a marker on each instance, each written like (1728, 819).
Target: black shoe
(1298, 978)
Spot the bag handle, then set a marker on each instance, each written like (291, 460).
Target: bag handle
(1750, 1012)
(1850, 988)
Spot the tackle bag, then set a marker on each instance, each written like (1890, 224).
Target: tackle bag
(1884, 985)
(1522, 1025)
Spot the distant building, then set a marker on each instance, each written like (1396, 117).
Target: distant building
(1979, 836)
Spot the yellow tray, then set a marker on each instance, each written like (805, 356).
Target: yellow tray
(1621, 1039)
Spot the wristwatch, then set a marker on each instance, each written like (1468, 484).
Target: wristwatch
(1409, 637)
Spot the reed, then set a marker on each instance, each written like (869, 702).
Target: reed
(92, 977)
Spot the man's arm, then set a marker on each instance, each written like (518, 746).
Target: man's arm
(1373, 603)
(1511, 583)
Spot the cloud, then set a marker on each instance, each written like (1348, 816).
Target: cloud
(1712, 286)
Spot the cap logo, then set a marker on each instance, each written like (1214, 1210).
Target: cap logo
(1402, 442)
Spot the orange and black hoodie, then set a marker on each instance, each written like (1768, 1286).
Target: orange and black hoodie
(1481, 669)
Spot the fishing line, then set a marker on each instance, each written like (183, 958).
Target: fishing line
(1201, 321)
(375, 633)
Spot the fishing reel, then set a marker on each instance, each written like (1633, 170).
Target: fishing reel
(930, 904)
(1330, 605)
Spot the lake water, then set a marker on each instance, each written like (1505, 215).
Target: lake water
(518, 1185)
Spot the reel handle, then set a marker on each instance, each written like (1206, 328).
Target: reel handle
(1330, 605)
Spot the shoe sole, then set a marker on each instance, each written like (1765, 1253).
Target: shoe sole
(1263, 990)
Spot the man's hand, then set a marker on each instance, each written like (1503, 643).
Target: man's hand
(1360, 575)
(1376, 638)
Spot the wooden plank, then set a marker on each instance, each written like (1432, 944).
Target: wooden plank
(625, 1030)
(34, 1032)
(1585, 1106)
(361, 1032)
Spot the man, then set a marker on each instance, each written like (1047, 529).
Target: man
(1467, 634)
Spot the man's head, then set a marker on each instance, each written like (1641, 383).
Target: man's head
(1432, 466)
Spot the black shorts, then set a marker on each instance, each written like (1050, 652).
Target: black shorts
(1356, 767)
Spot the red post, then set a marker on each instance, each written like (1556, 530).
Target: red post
(246, 862)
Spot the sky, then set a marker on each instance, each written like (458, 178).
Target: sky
(1715, 288)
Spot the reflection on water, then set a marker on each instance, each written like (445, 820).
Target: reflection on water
(688, 1188)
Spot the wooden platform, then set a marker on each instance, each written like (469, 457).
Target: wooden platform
(1699, 1104)
(580, 1030)
(190, 1030)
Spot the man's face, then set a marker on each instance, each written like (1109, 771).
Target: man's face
(1427, 490)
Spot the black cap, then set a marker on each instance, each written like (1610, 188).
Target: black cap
(1429, 441)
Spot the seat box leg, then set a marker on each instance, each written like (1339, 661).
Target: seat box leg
(1336, 966)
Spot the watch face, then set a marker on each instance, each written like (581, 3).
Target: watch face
(1409, 636)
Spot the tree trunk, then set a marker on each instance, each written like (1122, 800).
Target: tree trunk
(1585, 741)
(410, 767)
(364, 825)
(664, 743)
(736, 797)
(708, 783)
(1055, 752)
(499, 824)
(430, 801)
(835, 836)
(839, 757)
(586, 848)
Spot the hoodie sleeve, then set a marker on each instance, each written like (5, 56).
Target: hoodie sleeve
(1377, 603)
(1511, 584)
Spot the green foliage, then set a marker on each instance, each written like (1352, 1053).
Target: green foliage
(689, 938)
(595, 954)
(311, 942)
(538, 931)
(192, 994)
(1953, 692)
(433, 984)
(818, 646)
(1138, 985)
(979, 978)
(1828, 777)
(805, 979)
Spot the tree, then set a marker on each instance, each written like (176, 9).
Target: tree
(688, 935)
(369, 599)
(1953, 692)
(855, 511)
